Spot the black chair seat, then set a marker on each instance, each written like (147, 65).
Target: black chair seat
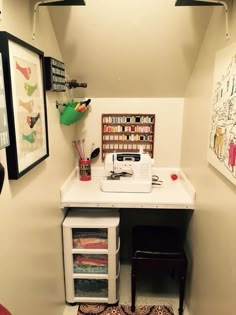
(163, 248)
(153, 238)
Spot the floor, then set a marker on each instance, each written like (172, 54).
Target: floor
(151, 291)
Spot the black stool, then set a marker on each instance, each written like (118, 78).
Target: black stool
(161, 248)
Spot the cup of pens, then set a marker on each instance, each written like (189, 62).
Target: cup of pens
(84, 162)
(85, 170)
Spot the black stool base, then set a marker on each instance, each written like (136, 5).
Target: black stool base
(161, 248)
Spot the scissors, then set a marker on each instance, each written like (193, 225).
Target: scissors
(156, 181)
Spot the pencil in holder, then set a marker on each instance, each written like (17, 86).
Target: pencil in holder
(85, 170)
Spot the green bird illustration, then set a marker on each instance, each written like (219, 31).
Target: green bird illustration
(30, 137)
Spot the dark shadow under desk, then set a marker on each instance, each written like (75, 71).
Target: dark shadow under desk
(130, 218)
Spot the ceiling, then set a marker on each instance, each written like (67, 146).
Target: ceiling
(127, 48)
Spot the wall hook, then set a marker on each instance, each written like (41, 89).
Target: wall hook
(74, 84)
(226, 14)
(60, 106)
(35, 14)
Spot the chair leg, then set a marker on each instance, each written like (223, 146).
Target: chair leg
(181, 292)
(133, 284)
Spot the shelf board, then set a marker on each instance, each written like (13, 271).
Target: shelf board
(194, 3)
(90, 251)
(90, 299)
(63, 3)
(128, 123)
(128, 141)
(124, 150)
(127, 133)
(100, 276)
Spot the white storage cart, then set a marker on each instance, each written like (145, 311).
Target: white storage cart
(91, 255)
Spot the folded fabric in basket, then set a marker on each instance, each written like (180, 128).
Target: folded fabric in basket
(91, 261)
(90, 269)
(91, 285)
(90, 233)
(90, 243)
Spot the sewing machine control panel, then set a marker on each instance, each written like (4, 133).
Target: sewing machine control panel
(128, 157)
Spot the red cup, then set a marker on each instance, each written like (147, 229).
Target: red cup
(85, 170)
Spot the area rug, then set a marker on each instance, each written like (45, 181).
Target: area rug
(104, 309)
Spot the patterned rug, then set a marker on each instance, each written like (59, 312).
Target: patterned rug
(105, 309)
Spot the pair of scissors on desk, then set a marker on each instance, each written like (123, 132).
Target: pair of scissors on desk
(156, 181)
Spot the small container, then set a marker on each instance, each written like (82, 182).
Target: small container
(70, 116)
(85, 170)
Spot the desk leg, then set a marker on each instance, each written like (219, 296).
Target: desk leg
(181, 293)
(133, 284)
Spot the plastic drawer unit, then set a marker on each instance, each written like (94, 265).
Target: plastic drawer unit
(91, 255)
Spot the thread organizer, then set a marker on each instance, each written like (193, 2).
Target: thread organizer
(128, 133)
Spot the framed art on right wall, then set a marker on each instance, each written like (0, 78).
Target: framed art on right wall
(222, 133)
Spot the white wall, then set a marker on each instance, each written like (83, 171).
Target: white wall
(31, 273)
(130, 48)
(213, 225)
(168, 128)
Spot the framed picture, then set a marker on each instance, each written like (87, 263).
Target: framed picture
(222, 131)
(4, 135)
(26, 105)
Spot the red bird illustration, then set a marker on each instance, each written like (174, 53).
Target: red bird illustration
(25, 71)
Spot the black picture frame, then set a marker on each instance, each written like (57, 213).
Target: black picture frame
(23, 70)
(4, 133)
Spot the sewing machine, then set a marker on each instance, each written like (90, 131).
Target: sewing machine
(127, 172)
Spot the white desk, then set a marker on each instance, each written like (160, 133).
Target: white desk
(178, 194)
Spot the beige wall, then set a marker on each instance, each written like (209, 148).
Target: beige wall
(130, 48)
(168, 127)
(213, 226)
(31, 272)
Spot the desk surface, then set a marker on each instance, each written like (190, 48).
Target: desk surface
(178, 194)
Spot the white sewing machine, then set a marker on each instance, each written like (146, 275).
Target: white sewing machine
(127, 172)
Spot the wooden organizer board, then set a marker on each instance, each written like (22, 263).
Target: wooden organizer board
(127, 133)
